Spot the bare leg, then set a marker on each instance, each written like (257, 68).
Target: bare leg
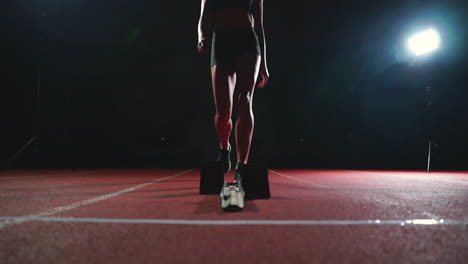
(223, 81)
(247, 68)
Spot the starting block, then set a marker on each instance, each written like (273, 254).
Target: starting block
(255, 181)
(211, 178)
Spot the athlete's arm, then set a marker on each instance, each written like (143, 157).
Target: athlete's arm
(258, 20)
(205, 25)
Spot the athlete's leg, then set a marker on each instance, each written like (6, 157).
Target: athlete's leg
(223, 81)
(247, 68)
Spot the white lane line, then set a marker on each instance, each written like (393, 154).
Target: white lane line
(239, 222)
(85, 202)
(428, 178)
(299, 179)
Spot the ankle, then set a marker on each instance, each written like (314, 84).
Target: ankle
(227, 148)
(240, 165)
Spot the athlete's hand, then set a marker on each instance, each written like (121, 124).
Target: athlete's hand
(203, 47)
(265, 76)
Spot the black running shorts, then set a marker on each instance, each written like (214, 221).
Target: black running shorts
(228, 44)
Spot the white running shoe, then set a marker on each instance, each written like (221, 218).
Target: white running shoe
(232, 197)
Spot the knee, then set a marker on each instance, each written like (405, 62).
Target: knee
(223, 116)
(245, 99)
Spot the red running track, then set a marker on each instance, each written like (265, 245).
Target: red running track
(157, 216)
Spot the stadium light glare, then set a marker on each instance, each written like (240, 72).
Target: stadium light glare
(424, 42)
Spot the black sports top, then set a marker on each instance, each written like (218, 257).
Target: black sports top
(246, 5)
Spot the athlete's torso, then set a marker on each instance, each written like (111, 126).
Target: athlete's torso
(233, 13)
(241, 4)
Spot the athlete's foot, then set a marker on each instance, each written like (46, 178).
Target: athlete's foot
(225, 158)
(232, 197)
(237, 175)
(232, 194)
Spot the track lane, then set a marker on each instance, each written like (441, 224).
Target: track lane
(316, 197)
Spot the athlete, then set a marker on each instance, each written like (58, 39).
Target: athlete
(232, 31)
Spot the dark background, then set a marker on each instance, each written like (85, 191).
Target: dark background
(121, 84)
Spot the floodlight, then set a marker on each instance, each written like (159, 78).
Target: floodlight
(424, 42)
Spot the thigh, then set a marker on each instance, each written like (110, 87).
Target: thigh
(247, 68)
(223, 80)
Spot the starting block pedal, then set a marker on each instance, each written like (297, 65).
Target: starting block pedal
(211, 178)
